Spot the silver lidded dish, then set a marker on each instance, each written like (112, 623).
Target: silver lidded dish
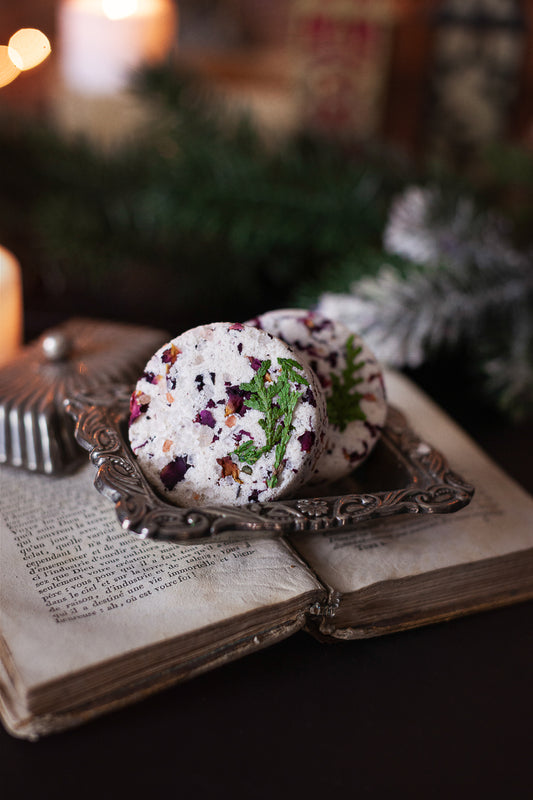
(36, 433)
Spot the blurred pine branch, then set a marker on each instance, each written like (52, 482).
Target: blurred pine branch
(199, 218)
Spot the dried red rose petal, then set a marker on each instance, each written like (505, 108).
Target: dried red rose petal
(139, 403)
(170, 355)
(235, 402)
(174, 472)
(307, 440)
(150, 377)
(255, 363)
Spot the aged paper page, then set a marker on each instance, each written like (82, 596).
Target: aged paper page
(498, 521)
(76, 590)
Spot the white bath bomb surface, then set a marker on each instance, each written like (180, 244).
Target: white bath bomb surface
(227, 414)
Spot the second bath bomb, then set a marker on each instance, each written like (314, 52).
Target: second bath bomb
(350, 377)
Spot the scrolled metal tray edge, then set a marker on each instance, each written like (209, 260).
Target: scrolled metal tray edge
(432, 487)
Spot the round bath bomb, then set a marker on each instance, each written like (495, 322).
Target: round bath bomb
(227, 414)
(350, 378)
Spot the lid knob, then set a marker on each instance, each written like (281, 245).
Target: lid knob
(56, 346)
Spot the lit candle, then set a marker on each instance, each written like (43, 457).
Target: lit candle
(102, 41)
(10, 306)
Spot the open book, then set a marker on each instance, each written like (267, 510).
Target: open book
(93, 618)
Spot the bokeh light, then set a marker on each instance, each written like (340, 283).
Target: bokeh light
(8, 70)
(28, 47)
(119, 9)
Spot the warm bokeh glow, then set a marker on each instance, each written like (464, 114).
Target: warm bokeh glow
(118, 9)
(28, 47)
(8, 70)
(10, 306)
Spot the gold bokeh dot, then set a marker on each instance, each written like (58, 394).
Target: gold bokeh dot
(28, 47)
(8, 70)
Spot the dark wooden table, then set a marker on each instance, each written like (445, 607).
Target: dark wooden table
(439, 712)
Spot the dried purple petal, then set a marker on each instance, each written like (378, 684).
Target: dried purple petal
(135, 409)
(199, 380)
(238, 436)
(253, 497)
(139, 403)
(255, 363)
(205, 417)
(236, 326)
(211, 403)
(239, 348)
(174, 472)
(150, 377)
(307, 440)
(309, 397)
(311, 322)
(235, 402)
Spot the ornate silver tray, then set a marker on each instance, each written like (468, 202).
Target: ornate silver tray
(402, 475)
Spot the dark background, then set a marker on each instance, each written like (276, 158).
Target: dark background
(438, 712)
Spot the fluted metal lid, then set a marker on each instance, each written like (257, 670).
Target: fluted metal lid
(80, 355)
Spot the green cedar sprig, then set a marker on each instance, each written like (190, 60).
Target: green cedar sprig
(277, 419)
(344, 404)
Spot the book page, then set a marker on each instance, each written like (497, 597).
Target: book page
(498, 521)
(77, 590)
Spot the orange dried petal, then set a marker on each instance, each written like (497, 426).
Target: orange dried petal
(229, 468)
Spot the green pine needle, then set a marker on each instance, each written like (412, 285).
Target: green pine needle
(277, 416)
(344, 404)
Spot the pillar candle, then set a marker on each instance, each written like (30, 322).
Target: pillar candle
(10, 306)
(103, 41)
